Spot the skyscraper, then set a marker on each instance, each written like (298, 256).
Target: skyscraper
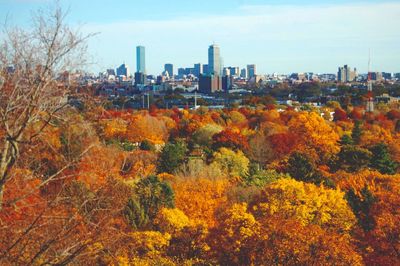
(198, 69)
(243, 73)
(170, 69)
(123, 70)
(251, 71)
(345, 74)
(140, 59)
(214, 60)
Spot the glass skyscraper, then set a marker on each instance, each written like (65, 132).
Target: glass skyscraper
(140, 59)
(214, 60)
(170, 69)
(251, 71)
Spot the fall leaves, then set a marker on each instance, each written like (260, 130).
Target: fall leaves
(221, 187)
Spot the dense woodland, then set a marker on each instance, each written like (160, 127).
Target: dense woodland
(207, 187)
(239, 186)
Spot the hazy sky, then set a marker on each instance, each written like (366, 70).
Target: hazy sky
(277, 36)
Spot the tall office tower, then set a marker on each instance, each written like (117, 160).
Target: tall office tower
(198, 69)
(243, 73)
(123, 70)
(140, 59)
(170, 69)
(345, 74)
(251, 71)
(214, 58)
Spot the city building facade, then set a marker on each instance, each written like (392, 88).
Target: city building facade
(170, 69)
(140, 59)
(214, 60)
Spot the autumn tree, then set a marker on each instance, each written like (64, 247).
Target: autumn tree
(261, 150)
(375, 200)
(171, 220)
(146, 127)
(199, 198)
(393, 114)
(340, 115)
(203, 136)
(235, 235)
(315, 133)
(230, 139)
(307, 203)
(233, 164)
(284, 143)
(29, 94)
(287, 226)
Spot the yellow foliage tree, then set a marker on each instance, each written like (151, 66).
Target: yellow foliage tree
(234, 235)
(307, 203)
(315, 133)
(200, 198)
(146, 127)
(148, 243)
(233, 164)
(115, 128)
(374, 134)
(171, 220)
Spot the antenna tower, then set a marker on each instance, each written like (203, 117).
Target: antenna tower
(370, 102)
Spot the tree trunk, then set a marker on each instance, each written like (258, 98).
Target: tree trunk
(5, 164)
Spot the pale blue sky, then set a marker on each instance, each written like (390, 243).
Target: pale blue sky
(278, 36)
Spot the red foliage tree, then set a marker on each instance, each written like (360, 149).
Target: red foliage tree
(393, 114)
(230, 139)
(284, 143)
(340, 115)
(356, 114)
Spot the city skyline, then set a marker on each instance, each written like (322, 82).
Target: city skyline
(277, 36)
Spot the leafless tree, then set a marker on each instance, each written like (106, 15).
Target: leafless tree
(31, 91)
(260, 149)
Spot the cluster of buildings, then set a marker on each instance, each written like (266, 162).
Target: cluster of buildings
(215, 77)
(347, 75)
(207, 78)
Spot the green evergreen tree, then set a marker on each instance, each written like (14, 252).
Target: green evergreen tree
(146, 145)
(302, 168)
(352, 158)
(172, 157)
(357, 132)
(346, 140)
(135, 214)
(150, 195)
(381, 159)
(361, 206)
